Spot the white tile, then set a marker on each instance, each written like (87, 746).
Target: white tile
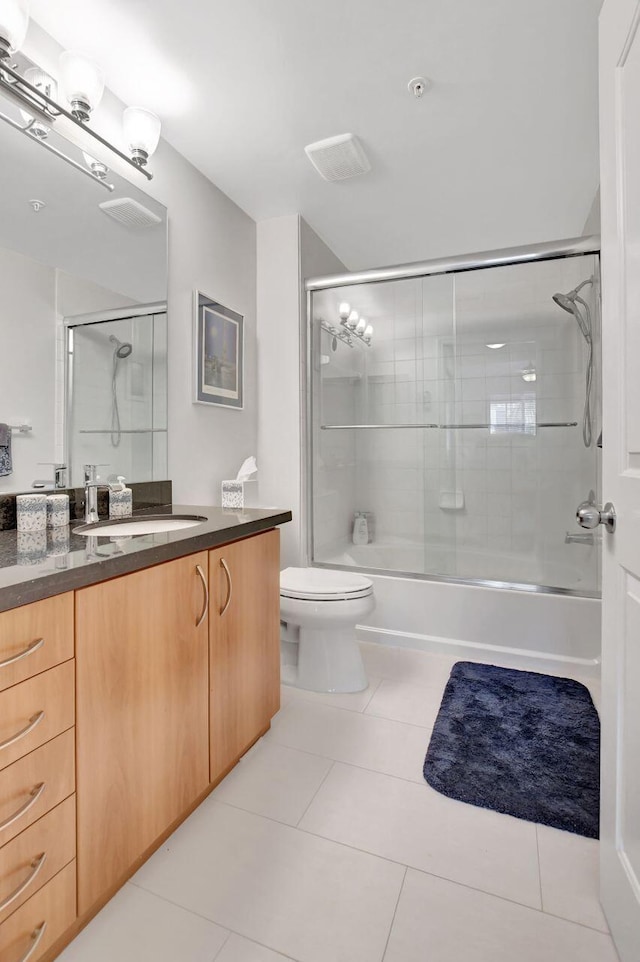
(302, 896)
(137, 925)
(357, 739)
(444, 922)
(417, 826)
(239, 949)
(413, 704)
(407, 664)
(569, 874)
(356, 701)
(274, 781)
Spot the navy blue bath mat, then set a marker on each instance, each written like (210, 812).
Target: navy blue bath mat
(519, 743)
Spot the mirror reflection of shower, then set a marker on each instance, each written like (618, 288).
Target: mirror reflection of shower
(121, 351)
(569, 302)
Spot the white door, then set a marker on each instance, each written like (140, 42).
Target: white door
(620, 183)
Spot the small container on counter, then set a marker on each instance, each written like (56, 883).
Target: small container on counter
(31, 512)
(120, 501)
(57, 510)
(32, 546)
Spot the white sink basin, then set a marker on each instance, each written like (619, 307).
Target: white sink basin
(152, 524)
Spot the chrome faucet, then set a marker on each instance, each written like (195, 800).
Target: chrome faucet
(92, 485)
(59, 480)
(578, 538)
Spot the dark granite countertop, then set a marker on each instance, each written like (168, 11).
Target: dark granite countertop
(39, 565)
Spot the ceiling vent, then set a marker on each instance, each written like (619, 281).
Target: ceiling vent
(338, 158)
(130, 213)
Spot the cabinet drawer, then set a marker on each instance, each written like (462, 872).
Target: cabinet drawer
(35, 711)
(21, 631)
(36, 855)
(35, 784)
(36, 925)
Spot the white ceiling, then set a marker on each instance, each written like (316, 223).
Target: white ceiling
(503, 150)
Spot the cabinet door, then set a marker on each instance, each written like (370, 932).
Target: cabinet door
(142, 714)
(244, 638)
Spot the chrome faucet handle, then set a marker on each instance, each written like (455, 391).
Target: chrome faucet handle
(91, 471)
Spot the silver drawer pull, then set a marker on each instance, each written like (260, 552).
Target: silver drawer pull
(34, 795)
(34, 646)
(36, 938)
(206, 596)
(33, 721)
(224, 565)
(36, 866)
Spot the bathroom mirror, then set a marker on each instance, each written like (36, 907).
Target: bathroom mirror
(83, 328)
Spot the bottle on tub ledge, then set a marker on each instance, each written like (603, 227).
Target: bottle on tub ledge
(363, 526)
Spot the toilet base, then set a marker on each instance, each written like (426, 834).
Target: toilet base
(330, 661)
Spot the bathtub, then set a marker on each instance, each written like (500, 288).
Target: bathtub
(531, 629)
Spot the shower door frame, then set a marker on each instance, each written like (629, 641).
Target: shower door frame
(504, 257)
(83, 320)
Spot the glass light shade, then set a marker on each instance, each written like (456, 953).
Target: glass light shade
(368, 331)
(344, 310)
(361, 326)
(141, 129)
(81, 79)
(97, 168)
(353, 319)
(14, 20)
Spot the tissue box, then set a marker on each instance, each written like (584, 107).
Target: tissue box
(232, 494)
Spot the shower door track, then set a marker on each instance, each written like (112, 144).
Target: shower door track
(445, 427)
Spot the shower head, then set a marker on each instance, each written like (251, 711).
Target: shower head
(568, 303)
(123, 348)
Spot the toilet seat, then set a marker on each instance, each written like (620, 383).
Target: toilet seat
(323, 584)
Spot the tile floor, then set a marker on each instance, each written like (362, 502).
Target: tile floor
(326, 845)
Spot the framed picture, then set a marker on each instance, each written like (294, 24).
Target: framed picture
(219, 354)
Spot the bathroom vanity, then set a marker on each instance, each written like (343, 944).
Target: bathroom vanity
(131, 682)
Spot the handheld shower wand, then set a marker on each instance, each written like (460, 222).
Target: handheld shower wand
(569, 302)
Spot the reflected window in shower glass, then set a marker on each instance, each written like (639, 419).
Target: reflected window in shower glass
(513, 417)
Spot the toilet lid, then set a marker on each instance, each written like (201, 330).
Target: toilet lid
(323, 584)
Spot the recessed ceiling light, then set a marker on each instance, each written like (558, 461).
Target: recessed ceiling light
(494, 347)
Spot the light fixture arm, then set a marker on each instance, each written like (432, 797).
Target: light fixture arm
(54, 150)
(20, 89)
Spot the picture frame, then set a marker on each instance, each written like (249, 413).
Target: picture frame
(218, 354)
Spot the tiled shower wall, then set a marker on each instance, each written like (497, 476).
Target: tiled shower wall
(470, 502)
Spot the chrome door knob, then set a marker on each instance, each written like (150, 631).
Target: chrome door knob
(589, 515)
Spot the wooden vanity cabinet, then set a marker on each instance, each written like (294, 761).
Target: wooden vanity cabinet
(244, 642)
(142, 715)
(176, 674)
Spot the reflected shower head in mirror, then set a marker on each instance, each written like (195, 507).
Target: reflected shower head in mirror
(123, 348)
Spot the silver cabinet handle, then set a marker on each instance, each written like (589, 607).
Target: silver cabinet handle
(36, 866)
(206, 596)
(36, 938)
(33, 721)
(34, 795)
(224, 565)
(38, 643)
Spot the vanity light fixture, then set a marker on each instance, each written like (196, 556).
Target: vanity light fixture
(14, 21)
(351, 326)
(142, 133)
(97, 168)
(344, 310)
(82, 81)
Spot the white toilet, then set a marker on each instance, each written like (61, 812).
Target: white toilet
(319, 609)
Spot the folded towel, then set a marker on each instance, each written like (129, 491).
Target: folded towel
(6, 463)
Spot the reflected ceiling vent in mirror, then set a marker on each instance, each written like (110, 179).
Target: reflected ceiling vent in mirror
(338, 158)
(129, 212)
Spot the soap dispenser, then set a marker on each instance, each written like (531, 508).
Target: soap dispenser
(360, 529)
(120, 498)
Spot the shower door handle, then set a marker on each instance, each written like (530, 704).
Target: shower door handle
(589, 515)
